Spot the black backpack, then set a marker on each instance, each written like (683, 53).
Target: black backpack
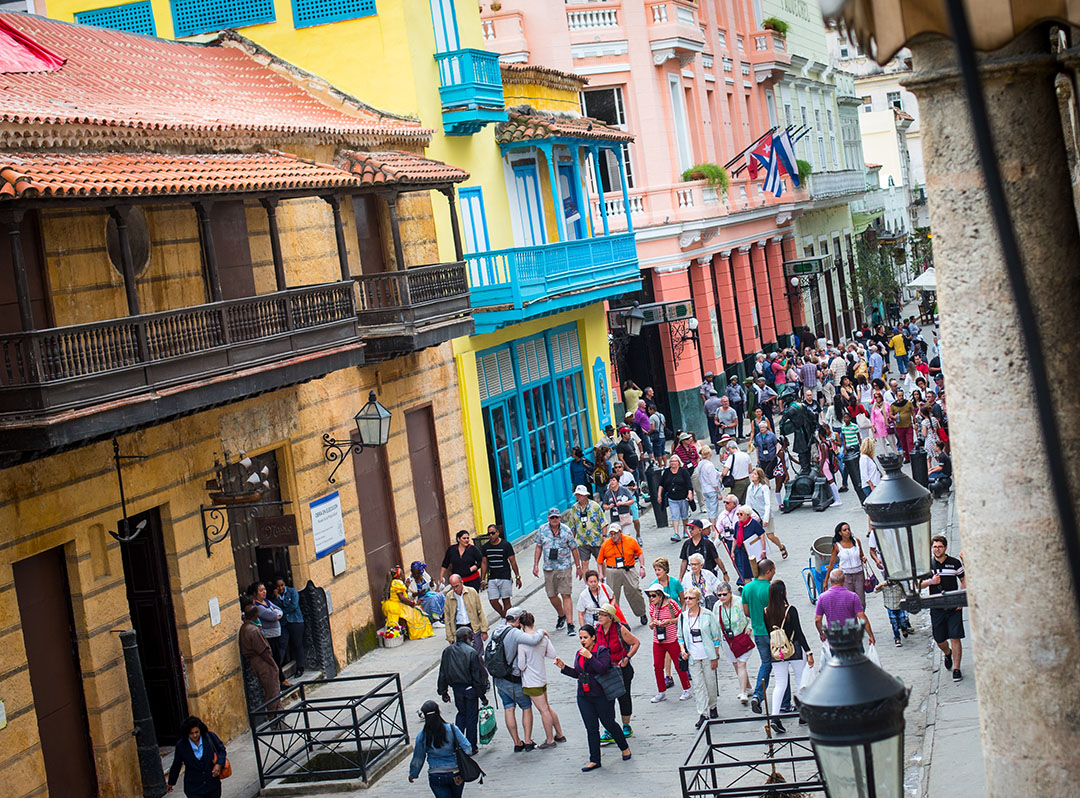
(495, 655)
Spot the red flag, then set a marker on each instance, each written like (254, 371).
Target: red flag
(759, 156)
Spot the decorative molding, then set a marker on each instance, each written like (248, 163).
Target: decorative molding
(782, 218)
(673, 268)
(776, 239)
(597, 49)
(689, 237)
(745, 248)
(603, 69)
(703, 262)
(725, 253)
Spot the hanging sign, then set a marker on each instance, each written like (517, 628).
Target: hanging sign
(327, 526)
(276, 530)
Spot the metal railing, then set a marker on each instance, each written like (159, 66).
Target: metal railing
(732, 758)
(837, 184)
(469, 78)
(330, 735)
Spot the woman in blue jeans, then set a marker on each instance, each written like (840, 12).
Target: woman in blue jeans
(596, 708)
(437, 743)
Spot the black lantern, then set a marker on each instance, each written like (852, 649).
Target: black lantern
(373, 422)
(854, 712)
(899, 511)
(634, 319)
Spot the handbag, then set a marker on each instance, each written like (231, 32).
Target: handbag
(466, 765)
(226, 769)
(611, 682)
(728, 480)
(870, 580)
(740, 643)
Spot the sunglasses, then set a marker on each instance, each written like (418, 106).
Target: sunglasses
(723, 595)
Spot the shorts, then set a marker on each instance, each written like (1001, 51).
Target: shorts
(586, 552)
(511, 694)
(947, 625)
(558, 583)
(499, 588)
(634, 511)
(533, 691)
(678, 509)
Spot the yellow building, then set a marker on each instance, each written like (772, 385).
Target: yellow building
(215, 258)
(534, 380)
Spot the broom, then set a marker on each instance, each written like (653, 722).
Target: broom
(774, 777)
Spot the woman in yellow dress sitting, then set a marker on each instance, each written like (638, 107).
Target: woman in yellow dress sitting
(399, 609)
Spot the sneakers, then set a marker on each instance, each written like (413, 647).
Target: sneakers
(656, 699)
(606, 738)
(676, 538)
(686, 694)
(644, 620)
(570, 628)
(700, 721)
(948, 662)
(744, 699)
(627, 731)
(561, 622)
(778, 727)
(669, 682)
(755, 705)
(956, 675)
(837, 504)
(438, 625)
(896, 642)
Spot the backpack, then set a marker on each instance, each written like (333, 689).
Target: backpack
(495, 655)
(780, 647)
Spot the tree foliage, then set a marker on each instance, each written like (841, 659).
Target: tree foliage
(874, 278)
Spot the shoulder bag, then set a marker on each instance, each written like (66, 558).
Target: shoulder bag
(466, 765)
(728, 480)
(740, 643)
(610, 682)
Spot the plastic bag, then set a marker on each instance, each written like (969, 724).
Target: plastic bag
(808, 676)
(819, 663)
(488, 725)
(872, 655)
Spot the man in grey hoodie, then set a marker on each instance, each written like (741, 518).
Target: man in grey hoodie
(508, 687)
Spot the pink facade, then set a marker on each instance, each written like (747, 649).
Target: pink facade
(694, 81)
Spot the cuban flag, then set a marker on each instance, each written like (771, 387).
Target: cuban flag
(759, 156)
(785, 154)
(773, 183)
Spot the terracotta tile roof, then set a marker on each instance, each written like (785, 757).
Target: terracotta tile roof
(119, 79)
(542, 75)
(534, 125)
(49, 174)
(901, 114)
(375, 168)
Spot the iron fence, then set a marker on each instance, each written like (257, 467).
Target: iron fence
(330, 735)
(734, 758)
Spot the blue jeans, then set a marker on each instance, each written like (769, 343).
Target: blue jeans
(899, 621)
(901, 363)
(442, 785)
(765, 654)
(468, 711)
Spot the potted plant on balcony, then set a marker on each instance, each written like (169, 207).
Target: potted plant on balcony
(496, 5)
(713, 174)
(805, 169)
(776, 25)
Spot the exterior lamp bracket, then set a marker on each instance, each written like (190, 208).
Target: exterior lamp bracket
(124, 533)
(372, 428)
(230, 490)
(215, 518)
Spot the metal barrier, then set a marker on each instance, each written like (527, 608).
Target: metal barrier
(733, 758)
(330, 735)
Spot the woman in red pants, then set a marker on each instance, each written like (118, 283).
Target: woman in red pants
(663, 620)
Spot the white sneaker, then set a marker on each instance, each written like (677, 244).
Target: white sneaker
(837, 504)
(744, 699)
(656, 699)
(438, 625)
(685, 695)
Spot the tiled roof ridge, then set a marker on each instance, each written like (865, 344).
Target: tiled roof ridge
(526, 123)
(542, 75)
(399, 167)
(529, 110)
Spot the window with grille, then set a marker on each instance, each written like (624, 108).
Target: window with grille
(129, 17)
(205, 16)
(307, 13)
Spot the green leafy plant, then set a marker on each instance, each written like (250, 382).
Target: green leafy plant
(805, 169)
(774, 24)
(874, 276)
(713, 174)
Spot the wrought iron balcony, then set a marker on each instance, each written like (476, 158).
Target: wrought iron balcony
(512, 285)
(69, 385)
(847, 182)
(411, 309)
(471, 90)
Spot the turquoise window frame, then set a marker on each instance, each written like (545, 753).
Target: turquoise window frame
(439, 21)
(530, 170)
(464, 194)
(335, 11)
(102, 17)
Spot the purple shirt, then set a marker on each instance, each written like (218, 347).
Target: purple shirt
(641, 418)
(838, 604)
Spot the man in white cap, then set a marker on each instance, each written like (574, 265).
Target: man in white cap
(587, 524)
(618, 557)
(555, 544)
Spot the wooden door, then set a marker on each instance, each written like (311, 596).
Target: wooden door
(52, 654)
(146, 575)
(368, 239)
(30, 237)
(255, 563)
(378, 521)
(427, 483)
(228, 223)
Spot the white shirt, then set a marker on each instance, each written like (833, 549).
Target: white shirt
(696, 648)
(530, 662)
(868, 471)
(759, 497)
(709, 476)
(725, 524)
(461, 616)
(740, 468)
(590, 604)
(888, 396)
(712, 581)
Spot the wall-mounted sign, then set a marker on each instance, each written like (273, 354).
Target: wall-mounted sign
(276, 530)
(337, 562)
(327, 526)
(215, 611)
(807, 266)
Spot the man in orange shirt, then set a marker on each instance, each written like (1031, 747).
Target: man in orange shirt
(618, 556)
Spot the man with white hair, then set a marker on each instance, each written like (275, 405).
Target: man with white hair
(737, 465)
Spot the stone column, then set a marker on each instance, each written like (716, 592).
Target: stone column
(1029, 669)
(778, 286)
(798, 314)
(763, 294)
(744, 296)
(701, 287)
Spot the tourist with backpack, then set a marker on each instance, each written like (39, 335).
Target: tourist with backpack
(530, 662)
(614, 634)
(460, 670)
(787, 646)
(500, 658)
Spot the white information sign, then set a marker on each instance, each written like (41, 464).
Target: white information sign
(327, 527)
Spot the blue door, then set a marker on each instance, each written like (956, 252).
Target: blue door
(571, 202)
(527, 206)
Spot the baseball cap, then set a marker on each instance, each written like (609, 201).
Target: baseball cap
(554, 511)
(613, 527)
(515, 612)
(732, 378)
(581, 490)
(623, 429)
(684, 436)
(708, 374)
(695, 523)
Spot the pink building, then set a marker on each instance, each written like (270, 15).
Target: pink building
(694, 80)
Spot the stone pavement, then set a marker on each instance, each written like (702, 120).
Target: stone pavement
(941, 716)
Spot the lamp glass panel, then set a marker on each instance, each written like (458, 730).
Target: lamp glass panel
(845, 768)
(373, 424)
(892, 542)
(920, 536)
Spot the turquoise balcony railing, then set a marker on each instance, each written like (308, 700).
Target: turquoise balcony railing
(470, 86)
(512, 285)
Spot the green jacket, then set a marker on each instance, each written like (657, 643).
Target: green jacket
(710, 632)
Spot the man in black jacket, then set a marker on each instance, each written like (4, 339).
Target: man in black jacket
(460, 670)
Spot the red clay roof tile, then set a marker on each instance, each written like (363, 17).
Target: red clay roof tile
(536, 125)
(112, 78)
(376, 168)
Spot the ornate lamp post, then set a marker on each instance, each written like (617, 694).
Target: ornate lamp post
(372, 427)
(854, 712)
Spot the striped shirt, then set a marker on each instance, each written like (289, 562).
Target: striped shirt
(666, 618)
(851, 435)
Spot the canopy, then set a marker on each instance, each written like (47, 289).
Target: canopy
(926, 280)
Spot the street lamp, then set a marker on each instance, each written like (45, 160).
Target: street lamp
(633, 319)
(899, 511)
(372, 427)
(854, 712)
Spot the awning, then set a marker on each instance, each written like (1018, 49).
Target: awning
(927, 280)
(536, 126)
(882, 27)
(26, 175)
(402, 168)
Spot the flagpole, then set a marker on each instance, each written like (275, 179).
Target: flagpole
(749, 147)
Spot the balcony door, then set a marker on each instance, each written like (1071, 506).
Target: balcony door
(228, 222)
(570, 194)
(527, 207)
(473, 220)
(30, 238)
(444, 20)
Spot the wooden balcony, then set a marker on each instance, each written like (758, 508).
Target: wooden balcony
(411, 309)
(70, 385)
